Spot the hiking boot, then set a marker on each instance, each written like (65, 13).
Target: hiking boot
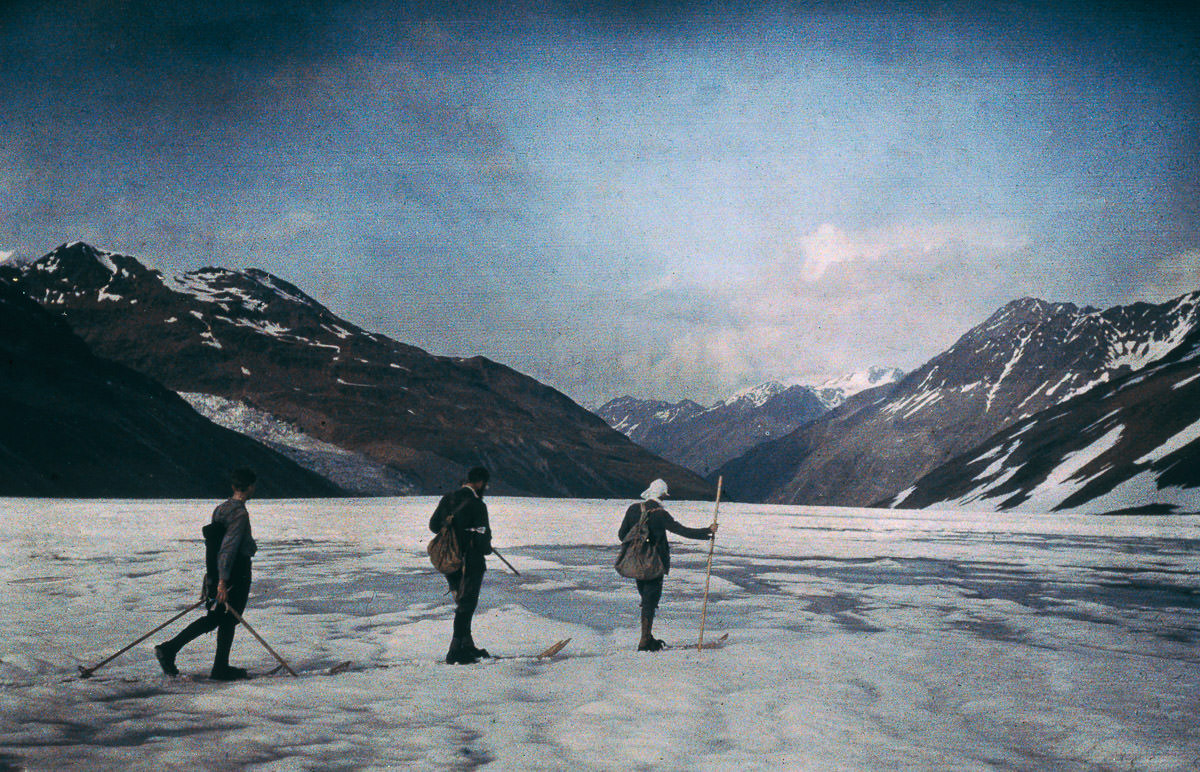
(228, 673)
(166, 660)
(469, 645)
(654, 644)
(460, 654)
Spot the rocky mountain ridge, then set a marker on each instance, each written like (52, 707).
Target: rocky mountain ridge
(1030, 356)
(702, 438)
(256, 339)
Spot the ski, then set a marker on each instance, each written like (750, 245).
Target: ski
(547, 653)
(715, 643)
(349, 666)
(554, 649)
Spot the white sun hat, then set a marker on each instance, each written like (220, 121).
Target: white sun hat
(657, 490)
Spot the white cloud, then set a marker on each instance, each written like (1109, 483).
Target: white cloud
(6, 256)
(829, 245)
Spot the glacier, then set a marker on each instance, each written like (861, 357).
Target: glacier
(858, 640)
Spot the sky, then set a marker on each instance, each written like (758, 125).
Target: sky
(665, 200)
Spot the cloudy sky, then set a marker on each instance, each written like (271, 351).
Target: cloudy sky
(662, 199)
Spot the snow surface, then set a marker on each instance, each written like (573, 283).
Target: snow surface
(859, 639)
(1177, 441)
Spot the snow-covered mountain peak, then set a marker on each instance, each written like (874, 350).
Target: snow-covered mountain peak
(78, 258)
(835, 391)
(754, 396)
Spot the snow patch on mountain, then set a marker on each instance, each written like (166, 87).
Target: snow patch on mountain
(835, 391)
(1176, 442)
(352, 471)
(755, 396)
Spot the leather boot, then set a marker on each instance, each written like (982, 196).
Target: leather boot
(460, 654)
(648, 642)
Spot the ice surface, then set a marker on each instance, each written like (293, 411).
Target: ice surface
(352, 471)
(859, 639)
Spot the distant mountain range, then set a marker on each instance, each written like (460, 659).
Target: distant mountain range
(380, 415)
(73, 424)
(120, 382)
(1009, 417)
(703, 438)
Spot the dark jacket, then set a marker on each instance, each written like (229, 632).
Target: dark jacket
(659, 521)
(238, 546)
(470, 515)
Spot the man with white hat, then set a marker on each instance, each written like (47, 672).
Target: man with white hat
(659, 522)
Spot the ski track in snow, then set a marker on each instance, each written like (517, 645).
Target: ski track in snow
(859, 639)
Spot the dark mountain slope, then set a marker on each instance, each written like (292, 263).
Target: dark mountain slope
(255, 338)
(73, 424)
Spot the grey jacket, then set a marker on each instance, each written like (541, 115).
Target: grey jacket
(238, 546)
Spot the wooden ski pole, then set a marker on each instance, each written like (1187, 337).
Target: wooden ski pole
(712, 543)
(266, 645)
(510, 565)
(86, 672)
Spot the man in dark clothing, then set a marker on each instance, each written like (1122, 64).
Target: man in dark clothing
(659, 521)
(232, 584)
(470, 524)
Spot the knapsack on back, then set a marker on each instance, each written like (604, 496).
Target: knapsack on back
(444, 550)
(639, 558)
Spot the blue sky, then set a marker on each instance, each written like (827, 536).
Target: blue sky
(668, 200)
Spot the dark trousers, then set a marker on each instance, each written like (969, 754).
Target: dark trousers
(217, 619)
(465, 585)
(651, 592)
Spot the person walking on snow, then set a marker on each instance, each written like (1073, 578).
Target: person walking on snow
(232, 584)
(470, 524)
(659, 521)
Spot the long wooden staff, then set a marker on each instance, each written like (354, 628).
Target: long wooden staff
(505, 562)
(712, 543)
(86, 672)
(266, 645)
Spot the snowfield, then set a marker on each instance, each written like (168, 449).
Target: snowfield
(858, 639)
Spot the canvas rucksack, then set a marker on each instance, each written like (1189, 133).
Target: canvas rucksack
(639, 558)
(444, 550)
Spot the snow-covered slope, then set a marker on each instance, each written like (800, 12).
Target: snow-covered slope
(1031, 355)
(352, 471)
(1132, 444)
